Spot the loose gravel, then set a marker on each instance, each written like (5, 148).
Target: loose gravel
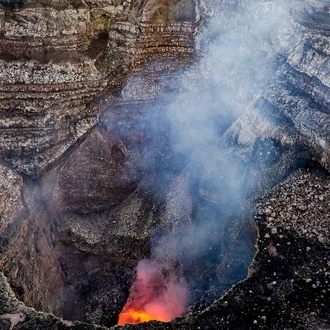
(300, 203)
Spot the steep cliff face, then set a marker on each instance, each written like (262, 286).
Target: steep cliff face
(80, 51)
(47, 84)
(10, 199)
(291, 112)
(94, 137)
(56, 58)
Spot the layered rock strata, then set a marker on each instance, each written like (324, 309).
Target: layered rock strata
(47, 84)
(55, 61)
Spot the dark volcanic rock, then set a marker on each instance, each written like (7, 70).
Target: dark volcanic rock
(288, 282)
(58, 57)
(102, 181)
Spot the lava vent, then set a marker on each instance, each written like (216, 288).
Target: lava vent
(157, 294)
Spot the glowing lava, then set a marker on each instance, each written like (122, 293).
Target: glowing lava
(137, 317)
(157, 294)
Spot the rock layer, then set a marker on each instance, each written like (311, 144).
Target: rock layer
(55, 62)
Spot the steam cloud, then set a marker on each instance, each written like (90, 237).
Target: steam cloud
(236, 63)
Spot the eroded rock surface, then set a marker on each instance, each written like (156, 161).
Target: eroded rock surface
(10, 198)
(57, 58)
(292, 113)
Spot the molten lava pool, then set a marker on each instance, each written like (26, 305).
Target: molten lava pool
(157, 294)
(137, 317)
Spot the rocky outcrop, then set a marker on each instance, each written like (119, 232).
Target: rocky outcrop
(292, 112)
(46, 85)
(56, 59)
(305, 65)
(10, 199)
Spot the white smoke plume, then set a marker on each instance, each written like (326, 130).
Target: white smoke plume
(235, 64)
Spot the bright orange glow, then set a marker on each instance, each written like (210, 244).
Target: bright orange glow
(157, 294)
(137, 317)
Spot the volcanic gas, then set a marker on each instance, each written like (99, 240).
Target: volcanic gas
(157, 294)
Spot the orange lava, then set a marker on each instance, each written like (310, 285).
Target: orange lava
(137, 317)
(157, 294)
